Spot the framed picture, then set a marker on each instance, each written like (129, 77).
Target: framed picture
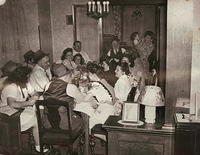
(130, 112)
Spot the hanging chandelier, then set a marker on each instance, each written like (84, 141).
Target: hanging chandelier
(97, 9)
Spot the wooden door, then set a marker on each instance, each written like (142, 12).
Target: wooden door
(86, 31)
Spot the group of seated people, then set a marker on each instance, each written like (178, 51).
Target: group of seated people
(96, 89)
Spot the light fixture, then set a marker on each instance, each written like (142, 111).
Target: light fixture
(97, 9)
(151, 97)
(2, 2)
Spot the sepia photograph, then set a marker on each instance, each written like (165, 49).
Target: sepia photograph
(130, 112)
(99, 77)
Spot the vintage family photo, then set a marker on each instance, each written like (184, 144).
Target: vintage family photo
(99, 77)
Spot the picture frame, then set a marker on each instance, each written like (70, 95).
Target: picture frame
(130, 112)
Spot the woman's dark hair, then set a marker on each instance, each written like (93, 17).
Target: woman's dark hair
(130, 58)
(104, 59)
(133, 35)
(94, 68)
(79, 55)
(67, 50)
(124, 67)
(9, 67)
(151, 34)
(19, 76)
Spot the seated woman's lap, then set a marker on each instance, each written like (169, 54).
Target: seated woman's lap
(97, 116)
(28, 118)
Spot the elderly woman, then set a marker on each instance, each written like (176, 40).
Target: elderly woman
(123, 85)
(18, 93)
(102, 92)
(100, 99)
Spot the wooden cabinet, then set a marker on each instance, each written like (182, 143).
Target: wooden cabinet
(187, 136)
(10, 133)
(137, 140)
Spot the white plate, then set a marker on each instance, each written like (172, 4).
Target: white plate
(139, 123)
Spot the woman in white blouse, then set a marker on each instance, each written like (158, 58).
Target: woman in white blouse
(123, 85)
(18, 93)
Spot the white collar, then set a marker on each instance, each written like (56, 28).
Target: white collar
(38, 67)
(123, 77)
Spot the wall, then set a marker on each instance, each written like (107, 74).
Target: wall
(141, 24)
(130, 24)
(44, 13)
(31, 17)
(87, 32)
(179, 53)
(195, 84)
(62, 33)
(18, 29)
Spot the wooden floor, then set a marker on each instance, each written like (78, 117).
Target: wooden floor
(100, 149)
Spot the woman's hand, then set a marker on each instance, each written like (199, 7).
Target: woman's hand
(94, 103)
(33, 99)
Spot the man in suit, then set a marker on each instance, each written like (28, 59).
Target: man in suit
(115, 54)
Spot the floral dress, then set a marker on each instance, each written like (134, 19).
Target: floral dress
(145, 48)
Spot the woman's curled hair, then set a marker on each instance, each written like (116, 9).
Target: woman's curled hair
(67, 50)
(94, 68)
(19, 76)
(125, 67)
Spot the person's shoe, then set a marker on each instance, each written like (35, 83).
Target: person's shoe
(37, 148)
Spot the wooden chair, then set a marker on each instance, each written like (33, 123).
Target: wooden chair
(131, 94)
(50, 121)
(95, 131)
(30, 140)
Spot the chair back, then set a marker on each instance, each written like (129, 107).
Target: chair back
(54, 117)
(131, 95)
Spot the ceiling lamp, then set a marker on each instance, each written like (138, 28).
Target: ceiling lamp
(97, 9)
